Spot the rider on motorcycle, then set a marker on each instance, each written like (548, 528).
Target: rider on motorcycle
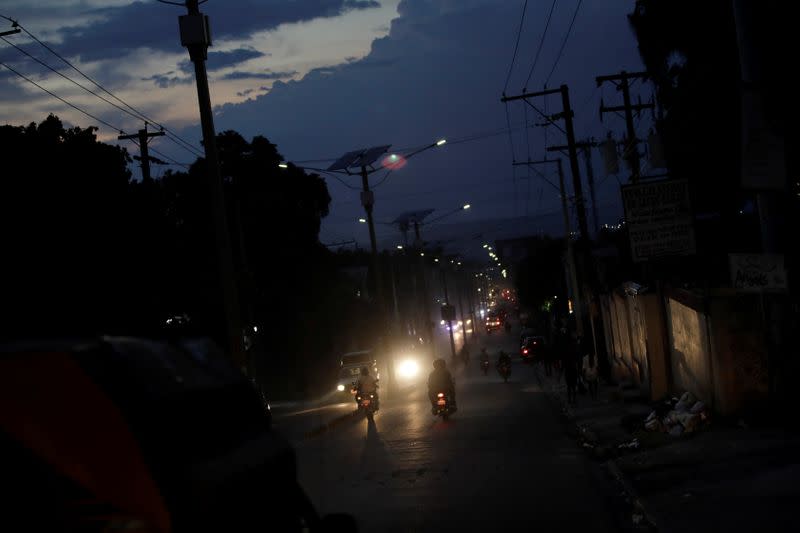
(484, 355)
(366, 384)
(503, 359)
(440, 380)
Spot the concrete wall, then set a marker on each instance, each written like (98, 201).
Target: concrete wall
(626, 338)
(658, 359)
(689, 350)
(740, 359)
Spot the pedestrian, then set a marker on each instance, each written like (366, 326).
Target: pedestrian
(570, 361)
(590, 374)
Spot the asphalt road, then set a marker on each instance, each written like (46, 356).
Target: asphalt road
(502, 463)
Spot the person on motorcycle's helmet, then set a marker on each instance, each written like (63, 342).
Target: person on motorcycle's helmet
(440, 380)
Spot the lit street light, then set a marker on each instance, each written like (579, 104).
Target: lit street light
(362, 220)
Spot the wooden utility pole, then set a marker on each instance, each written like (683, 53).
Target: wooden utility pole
(143, 137)
(196, 37)
(573, 271)
(621, 80)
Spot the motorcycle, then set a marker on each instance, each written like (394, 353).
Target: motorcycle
(505, 371)
(485, 366)
(443, 406)
(367, 402)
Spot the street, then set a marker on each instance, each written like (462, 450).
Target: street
(502, 461)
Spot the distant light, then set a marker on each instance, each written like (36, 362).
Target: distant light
(422, 254)
(479, 290)
(441, 142)
(340, 387)
(485, 245)
(466, 206)
(255, 329)
(362, 220)
(399, 246)
(435, 259)
(283, 165)
(443, 322)
(459, 263)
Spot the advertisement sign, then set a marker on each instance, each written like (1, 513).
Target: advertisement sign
(758, 272)
(659, 218)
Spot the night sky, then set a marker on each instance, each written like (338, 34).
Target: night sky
(322, 77)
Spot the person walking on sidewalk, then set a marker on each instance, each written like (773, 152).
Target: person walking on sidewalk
(590, 374)
(570, 358)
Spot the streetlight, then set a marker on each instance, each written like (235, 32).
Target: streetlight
(440, 142)
(466, 206)
(362, 220)
(283, 165)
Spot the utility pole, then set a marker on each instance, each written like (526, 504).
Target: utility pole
(143, 137)
(426, 316)
(368, 201)
(449, 320)
(460, 290)
(587, 154)
(196, 36)
(572, 147)
(573, 275)
(631, 152)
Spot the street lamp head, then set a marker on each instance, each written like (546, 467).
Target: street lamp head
(485, 245)
(399, 246)
(283, 165)
(441, 142)
(362, 220)
(435, 259)
(466, 206)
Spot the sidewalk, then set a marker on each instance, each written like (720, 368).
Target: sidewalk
(720, 478)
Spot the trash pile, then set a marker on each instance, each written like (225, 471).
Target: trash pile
(677, 416)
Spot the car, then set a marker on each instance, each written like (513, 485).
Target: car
(532, 349)
(350, 365)
(124, 433)
(493, 322)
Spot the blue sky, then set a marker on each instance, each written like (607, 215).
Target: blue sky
(322, 77)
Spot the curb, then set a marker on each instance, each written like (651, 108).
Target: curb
(641, 519)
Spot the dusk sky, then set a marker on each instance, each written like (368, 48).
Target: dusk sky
(322, 77)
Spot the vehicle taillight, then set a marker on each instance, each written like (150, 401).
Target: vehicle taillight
(525, 350)
(440, 395)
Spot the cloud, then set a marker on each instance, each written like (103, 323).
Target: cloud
(111, 32)
(169, 79)
(224, 59)
(440, 72)
(242, 75)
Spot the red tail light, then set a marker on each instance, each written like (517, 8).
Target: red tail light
(525, 350)
(440, 395)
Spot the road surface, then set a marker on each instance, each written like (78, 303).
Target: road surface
(502, 463)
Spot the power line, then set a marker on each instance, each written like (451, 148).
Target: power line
(516, 46)
(173, 136)
(69, 79)
(54, 95)
(564, 43)
(541, 43)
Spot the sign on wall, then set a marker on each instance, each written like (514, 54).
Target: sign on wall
(659, 219)
(758, 272)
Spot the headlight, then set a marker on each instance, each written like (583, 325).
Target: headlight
(340, 387)
(408, 368)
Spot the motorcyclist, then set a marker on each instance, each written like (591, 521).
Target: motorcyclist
(503, 359)
(484, 355)
(440, 380)
(366, 384)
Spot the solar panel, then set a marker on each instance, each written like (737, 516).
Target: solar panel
(370, 155)
(347, 160)
(412, 216)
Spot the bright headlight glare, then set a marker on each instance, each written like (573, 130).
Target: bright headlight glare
(340, 387)
(408, 368)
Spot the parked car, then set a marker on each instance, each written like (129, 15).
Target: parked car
(532, 349)
(139, 435)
